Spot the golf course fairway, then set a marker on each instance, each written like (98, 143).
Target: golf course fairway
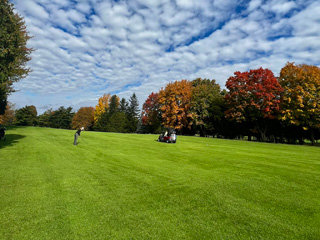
(129, 186)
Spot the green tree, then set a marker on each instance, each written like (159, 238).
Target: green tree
(13, 51)
(133, 113)
(61, 118)
(44, 119)
(123, 105)
(26, 116)
(205, 102)
(117, 123)
(114, 105)
(103, 122)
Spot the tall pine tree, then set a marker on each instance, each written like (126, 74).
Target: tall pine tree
(133, 113)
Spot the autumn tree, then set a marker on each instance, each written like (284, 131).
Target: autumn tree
(13, 51)
(253, 97)
(301, 96)
(83, 118)
(26, 116)
(151, 113)
(102, 106)
(175, 101)
(8, 118)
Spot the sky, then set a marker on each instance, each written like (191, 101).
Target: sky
(85, 48)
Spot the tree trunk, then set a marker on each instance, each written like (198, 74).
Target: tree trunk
(312, 136)
(262, 130)
(202, 131)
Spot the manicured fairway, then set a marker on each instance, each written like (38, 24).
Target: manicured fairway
(128, 186)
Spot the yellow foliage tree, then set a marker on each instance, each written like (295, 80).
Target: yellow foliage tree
(301, 96)
(102, 106)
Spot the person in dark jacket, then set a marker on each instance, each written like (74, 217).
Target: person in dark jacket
(76, 135)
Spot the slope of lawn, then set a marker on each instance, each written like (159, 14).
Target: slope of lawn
(128, 186)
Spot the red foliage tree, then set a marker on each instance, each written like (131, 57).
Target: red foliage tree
(151, 113)
(253, 97)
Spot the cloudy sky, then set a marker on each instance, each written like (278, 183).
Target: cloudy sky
(85, 48)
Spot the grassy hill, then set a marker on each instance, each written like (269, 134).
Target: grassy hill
(128, 186)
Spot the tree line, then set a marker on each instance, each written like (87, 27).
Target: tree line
(255, 104)
(109, 115)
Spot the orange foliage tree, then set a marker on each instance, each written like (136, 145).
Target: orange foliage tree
(175, 102)
(102, 106)
(83, 118)
(8, 117)
(301, 97)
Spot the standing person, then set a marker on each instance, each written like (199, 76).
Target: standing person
(76, 135)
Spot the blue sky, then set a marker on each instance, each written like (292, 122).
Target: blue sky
(85, 48)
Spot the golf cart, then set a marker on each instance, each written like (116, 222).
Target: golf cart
(169, 137)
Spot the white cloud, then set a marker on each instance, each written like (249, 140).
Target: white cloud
(88, 48)
(281, 7)
(31, 8)
(254, 4)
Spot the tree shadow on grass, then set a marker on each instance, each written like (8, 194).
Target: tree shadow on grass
(10, 140)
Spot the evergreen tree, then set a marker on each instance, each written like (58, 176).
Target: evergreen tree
(103, 122)
(117, 122)
(61, 118)
(44, 119)
(142, 128)
(123, 105)
(133, 113)
(114, 105)
(26, 116)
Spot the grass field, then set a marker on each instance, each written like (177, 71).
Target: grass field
(128, 186)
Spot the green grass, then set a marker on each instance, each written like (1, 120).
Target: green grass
(128, 186)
